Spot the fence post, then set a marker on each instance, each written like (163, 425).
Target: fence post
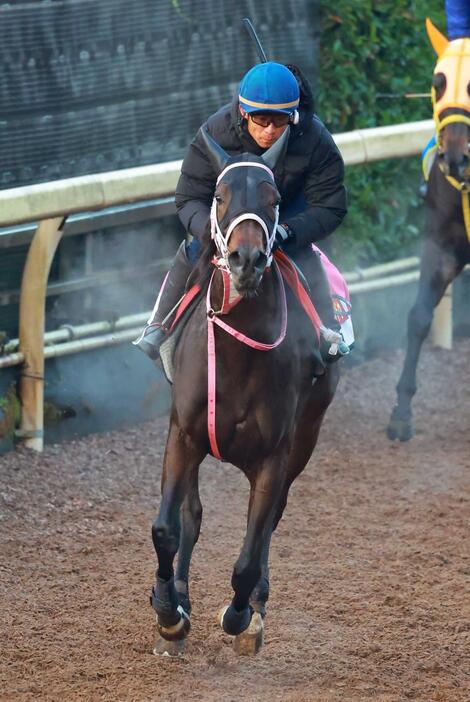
(442, 330)
(31, 337)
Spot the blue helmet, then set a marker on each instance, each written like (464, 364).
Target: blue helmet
(269, 86)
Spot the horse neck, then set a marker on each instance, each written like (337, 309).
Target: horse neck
(441, 195)
(445, 218)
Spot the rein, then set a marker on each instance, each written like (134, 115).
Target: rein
(212, 319)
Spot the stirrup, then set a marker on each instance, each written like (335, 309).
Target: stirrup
(150, 340)
(338, 347)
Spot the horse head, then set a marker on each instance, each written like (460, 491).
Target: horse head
(451, 102)
(244, 213)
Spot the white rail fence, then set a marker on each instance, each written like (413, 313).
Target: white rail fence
(50, 203)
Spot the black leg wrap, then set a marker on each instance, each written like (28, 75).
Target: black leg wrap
(164, 600)
(235, 622)
(185, 602)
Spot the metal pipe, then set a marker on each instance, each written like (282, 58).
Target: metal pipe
(75, 346)
(11, 359)
(383, 283)
(69, 332)
(95, 342)
(381, 268)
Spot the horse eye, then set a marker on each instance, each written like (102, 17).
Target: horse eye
(439, 83)
(468, 88)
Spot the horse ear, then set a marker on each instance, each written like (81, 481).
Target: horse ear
(437, 39)
(273, 154)
(217, 155)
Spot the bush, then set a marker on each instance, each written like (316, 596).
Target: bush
(370, 49)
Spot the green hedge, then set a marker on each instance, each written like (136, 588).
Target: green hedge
(369, 49)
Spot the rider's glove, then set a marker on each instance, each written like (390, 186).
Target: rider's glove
(283, 235)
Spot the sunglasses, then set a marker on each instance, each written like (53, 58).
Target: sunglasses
(264, 119)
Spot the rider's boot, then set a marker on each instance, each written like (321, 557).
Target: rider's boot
(171, 292)
(332, 345)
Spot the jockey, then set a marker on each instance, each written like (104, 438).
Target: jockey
(309, 178)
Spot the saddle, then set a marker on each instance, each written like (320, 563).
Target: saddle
(183, 313)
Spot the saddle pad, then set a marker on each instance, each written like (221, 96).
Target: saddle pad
(168, 347)
(340, 296)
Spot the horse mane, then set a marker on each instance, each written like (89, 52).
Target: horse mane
(202, 270)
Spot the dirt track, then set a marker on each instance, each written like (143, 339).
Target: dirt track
(369, 568)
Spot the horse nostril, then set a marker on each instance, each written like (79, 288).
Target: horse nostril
(246, 262)
(235, 260)
(261, 261)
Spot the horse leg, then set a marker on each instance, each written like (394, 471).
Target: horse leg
(191, 517)
(181, 463)
(266, 486)
(438, 269)
(304, 443)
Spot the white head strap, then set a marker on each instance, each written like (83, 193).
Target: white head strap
(221, 241)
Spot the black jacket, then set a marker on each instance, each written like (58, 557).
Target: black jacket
(312, 164)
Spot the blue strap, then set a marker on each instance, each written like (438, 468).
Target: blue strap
(428, 156)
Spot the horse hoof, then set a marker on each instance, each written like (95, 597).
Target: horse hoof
(400, 429)
(168, 648)
(249, 642)
(233, 622)
(178, 631)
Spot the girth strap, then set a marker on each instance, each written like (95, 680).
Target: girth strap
(290, 275)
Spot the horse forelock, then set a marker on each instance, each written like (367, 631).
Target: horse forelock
(241, 190)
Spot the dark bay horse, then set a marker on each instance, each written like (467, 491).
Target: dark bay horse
(446, 248)
(258, 408)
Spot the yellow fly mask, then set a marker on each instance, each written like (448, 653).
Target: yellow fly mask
(451, 99)
(451, 81)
